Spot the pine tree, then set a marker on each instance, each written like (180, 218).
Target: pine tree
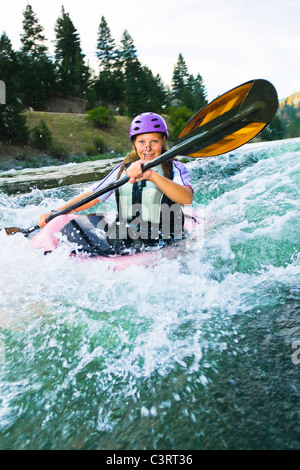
(73, 74)
(188, 93)
(200, 93)
(154, 94)
(6, 50)
(134, 92)
(106, 48)
(32, 38)
(128, 51)
(143, 91)
(109, 86)
(187, 90)
(10, 71)
(179, 79)
(12, 122)
(37, 78)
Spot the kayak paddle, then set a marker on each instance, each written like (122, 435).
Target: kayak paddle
(225, 124)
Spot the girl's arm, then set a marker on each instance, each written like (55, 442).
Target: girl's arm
(42, 221)
(108, 179)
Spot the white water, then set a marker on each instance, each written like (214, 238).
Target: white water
(194, 352)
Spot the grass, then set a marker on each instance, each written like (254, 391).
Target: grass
(74, 134)
(75, 139)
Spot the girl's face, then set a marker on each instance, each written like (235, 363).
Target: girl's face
(149, 146)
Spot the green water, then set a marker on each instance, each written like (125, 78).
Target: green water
(196, 352)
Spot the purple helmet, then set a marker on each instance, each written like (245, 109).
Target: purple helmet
(148, 122)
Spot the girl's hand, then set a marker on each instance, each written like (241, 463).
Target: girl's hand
(43, 218)
(136, 174)
(179, 194)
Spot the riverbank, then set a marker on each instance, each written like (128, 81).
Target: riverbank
(74, 139)
(22, 181)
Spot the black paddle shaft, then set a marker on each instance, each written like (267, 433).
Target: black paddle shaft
(187, 145)
(258, 105)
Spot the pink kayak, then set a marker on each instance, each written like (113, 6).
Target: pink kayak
(50, 237)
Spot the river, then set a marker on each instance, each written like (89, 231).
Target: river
(201, 351)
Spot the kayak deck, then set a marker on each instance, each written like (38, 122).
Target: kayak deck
(51, 236)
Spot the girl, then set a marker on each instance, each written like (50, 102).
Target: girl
(149, 205)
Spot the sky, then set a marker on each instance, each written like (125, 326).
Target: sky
(228, 42)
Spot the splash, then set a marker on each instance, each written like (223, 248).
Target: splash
(177, 355)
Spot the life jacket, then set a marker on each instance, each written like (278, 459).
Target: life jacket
(146, 218)
(155, 215)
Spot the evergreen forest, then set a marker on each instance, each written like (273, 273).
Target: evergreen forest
(121, 85)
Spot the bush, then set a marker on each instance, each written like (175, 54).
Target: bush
(13, 127)
(90, 150)
(42, 136)
(122, 109)
(99, 144)
(58, 150)
(179, 117)
(101, 116)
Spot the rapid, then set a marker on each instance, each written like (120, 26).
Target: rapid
(199, 351)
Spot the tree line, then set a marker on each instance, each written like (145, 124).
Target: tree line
(32, 76)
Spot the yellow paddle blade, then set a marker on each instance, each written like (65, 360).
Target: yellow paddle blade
(231, 120)
(12, 230)
(231, 142)
(216, 108)
(24, 231)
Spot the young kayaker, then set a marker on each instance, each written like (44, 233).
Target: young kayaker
(149, 205)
